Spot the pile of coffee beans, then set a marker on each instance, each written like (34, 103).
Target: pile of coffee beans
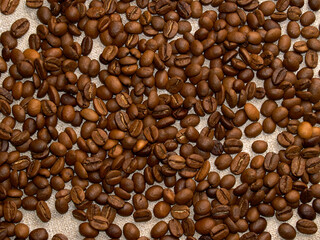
(138, 108)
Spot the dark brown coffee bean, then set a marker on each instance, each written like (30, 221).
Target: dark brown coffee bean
(259, 146)
(284, 214)
(20, 27)
(142, 215)
(87, 231)
(130, 231)
(77, 195)
(223, 196)
(21, 230)
(306, 211)
(271, 161)
(170, 29)
(39, 234)
(161, 209)
(253, 130)
(43, 211)
(159, 229)
(5, 132)
(9, 211)
(278, 76)
(8, 6)
(306, 226)
(285, 139)
(115, 202)
(59, 236)
(232, 145)
(219, 231)
(61, 205)
(287, 231)
(176, 162)
(175, 228)
(34, 3)
(239, 163)
(180, 211)
(99, 223)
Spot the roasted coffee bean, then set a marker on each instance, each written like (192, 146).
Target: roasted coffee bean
(43, 211)
(286, 231)
(232, 145)
(180, 211)
(77, 195)
(99, 223)
(38, 234)
(161, 209)
(130, 231)
(220, 211)
(306, 226)
(312, 165)
(252, 112)
(219, 231)
(159, 229)
(34, 3)
(87, 231)
(21, 230)
(253, 130)
(132, 126)
(9, 211)
(306, 211)
(176, 162)
(59, 236)
(142, 215)
(239, 163)
(9, 6)
(20, 27)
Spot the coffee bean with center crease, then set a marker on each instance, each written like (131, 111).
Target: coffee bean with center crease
(142, 215)
(313, 165)
(285, 139)
(239, 163)
(8, 6)
(20, 27)
(34, 3)
(220, 211)
(219, 231)
(271, 161)
(43, 211)
(5, 132)
(176, 162)
(306, 226)
(99, 223)
(175, 228)
(232, 145)
(77, 195)
(9, 211)
(115, 202)
(180, 211)
(170, 29)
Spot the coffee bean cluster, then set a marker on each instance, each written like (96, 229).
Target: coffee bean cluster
(139, 106)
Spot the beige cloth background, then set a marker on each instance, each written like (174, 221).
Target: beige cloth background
(66, 223)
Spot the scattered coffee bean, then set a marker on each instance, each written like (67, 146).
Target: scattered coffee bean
(132, 137)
